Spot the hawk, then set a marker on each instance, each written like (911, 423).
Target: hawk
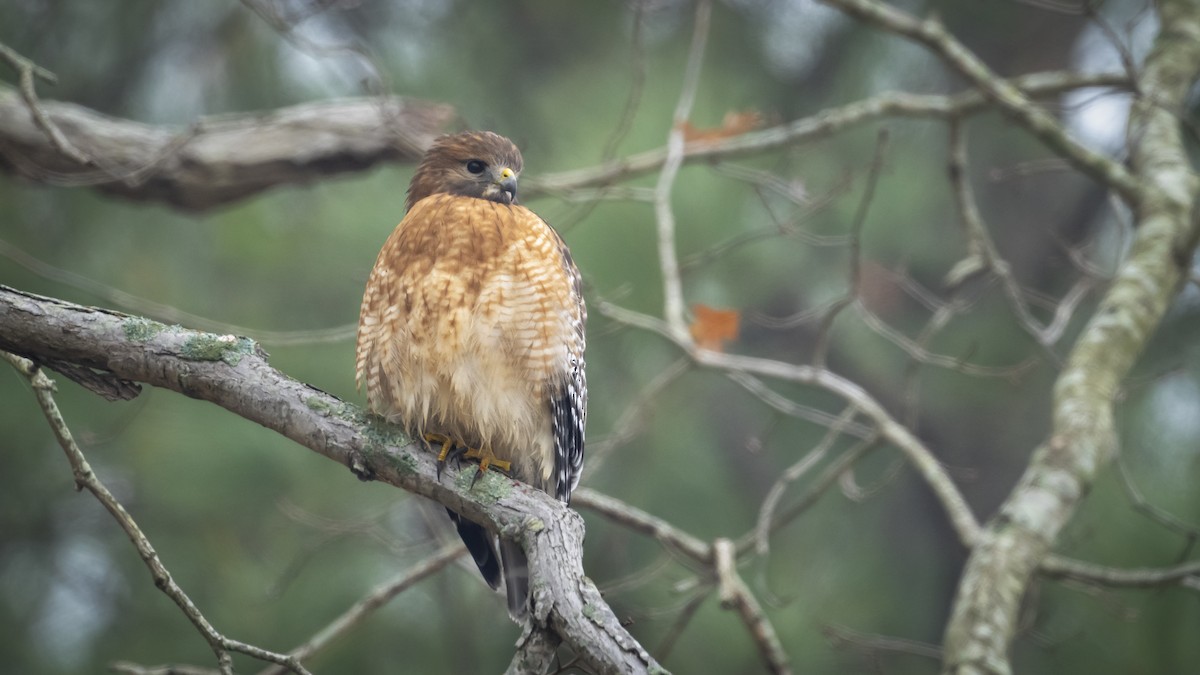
(471, 334)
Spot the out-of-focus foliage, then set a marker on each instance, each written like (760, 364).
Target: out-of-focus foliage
(272, 541)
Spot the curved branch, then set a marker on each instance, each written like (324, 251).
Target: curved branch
(218, 160)
(233, 373)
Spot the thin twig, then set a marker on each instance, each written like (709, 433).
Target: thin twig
(855, 272)
(930, 469)
(1144, 507)
(819, 487)
(981, 250)
(821, 125)
(918, 352)
(673, 305)
(735, 594)
(766, 512)
(931, 33)
(367, 605)
(130, 668)
(85, 478)
(1058, 567)
(840, 635)
(26, 72)
(682, 620)
(168, 313)
(640, 521)
(633, 419)
(791, 408)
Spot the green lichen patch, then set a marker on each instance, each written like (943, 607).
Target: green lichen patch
(491, 487)
(211, 347)
(405, 463)
(317, 404)
(376, 431)
(139, 329)
(590, 611)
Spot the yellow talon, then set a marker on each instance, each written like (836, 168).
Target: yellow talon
(446, 442)
(487, 459)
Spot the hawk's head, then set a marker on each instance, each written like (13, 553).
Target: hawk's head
(473, 164)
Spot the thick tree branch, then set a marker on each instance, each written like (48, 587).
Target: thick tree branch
(1083, 438)
(219, 159)
(233, 373)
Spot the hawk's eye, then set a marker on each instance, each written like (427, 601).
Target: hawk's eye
(475, 166)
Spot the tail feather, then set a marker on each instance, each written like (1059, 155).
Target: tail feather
(482, 545)
(510, 564)
(516, 579)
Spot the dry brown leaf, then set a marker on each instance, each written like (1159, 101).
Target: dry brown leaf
(712, 328)
(736, 123)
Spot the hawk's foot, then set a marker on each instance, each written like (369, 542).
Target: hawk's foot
(456, 450)
(487, 459)
(449, 449)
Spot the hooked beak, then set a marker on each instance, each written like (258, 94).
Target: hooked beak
(507, 184)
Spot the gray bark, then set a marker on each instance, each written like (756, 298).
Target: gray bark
(233, 373)
(217, 160)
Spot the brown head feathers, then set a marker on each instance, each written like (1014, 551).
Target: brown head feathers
(470, 164)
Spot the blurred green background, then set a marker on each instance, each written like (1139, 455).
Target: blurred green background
(273, 541)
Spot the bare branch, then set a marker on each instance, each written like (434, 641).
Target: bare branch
(1143, 506)
(855, 236)
(536, 650)
(26, 71)
(1007, 97)
(233, 373)
(219, 159)
(673, 306)
(879, 643)
(632, 420)
(167, 313)
(735, 594)
(1083, 438)
(820, 485)
(918, 352)
(129, 668)
(640, 521)
(377, 598)
(86, 479)
(981, 250)
(1057, 567)
(821, 125)
(681, 623)
(889, 428)
(766, 512)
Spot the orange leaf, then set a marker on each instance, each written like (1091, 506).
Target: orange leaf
(712, 328)
(735, 123)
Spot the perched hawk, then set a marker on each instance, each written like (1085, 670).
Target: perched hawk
(471, 333)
